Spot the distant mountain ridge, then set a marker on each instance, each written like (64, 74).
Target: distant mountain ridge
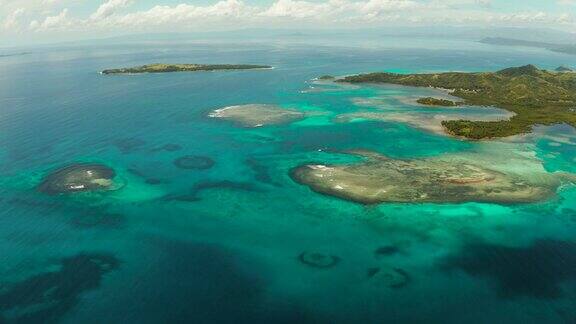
(559, 48)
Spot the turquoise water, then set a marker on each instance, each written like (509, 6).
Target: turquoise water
(222, 245)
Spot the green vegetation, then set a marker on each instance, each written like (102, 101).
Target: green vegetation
(326, 77)
(429, 101)
(535, 96)
(163, 68)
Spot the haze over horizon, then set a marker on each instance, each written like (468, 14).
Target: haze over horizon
(32, 21)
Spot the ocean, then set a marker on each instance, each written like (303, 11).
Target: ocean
(224, 244)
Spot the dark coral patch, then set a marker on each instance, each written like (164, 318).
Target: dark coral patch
(224, 184)
(194, 162)
(261, 172)
(318, 260)
(389, 277)
(97, 218)
(194, 194)
(171, 147)
(387, 250)
(153, 181)
(129, 145)
(148, 180)
(47, 297)
(536, 270)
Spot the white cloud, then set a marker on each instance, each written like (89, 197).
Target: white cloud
(484, 3)
(57, 22)
(13, 20)
(109, 8)
(226, 12)
(297, 9)
(230, 14)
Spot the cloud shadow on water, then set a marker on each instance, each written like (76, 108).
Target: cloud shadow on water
(537, 270)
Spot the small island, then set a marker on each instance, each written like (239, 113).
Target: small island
(165, 68)
(536, 97)
(79, 177)
(430, 101)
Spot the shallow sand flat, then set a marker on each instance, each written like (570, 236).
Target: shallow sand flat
(451, 178)
(431, 122)
(257, 115)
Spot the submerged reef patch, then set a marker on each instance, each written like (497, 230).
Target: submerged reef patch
(48, 296)
(261, 172)
(443, 179)
(387, 250)
(257, 115)
(318, 260)
(96, 217)
(148, 180)
(170, 147)
(194, 162)
(536, 270)
(129, 145)
(194, 194)
(77, 178)
(388, 276)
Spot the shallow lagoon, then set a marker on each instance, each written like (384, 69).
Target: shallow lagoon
(222, 244)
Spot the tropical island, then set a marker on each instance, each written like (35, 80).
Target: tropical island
(536, 97)
(165, 68)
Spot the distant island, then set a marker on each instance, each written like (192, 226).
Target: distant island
(15, 54)
(560, 48)
(430, 101)
(537, 97)
(165, 68)
(563, 68)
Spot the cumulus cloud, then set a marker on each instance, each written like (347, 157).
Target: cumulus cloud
(238, 13)
(12, 21)
(109, 8)
(57, 22)
(224, 12)
(335, 12)
(297, 9)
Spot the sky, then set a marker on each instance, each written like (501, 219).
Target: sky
(45, 20)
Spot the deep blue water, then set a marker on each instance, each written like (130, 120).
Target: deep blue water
(221, 245)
